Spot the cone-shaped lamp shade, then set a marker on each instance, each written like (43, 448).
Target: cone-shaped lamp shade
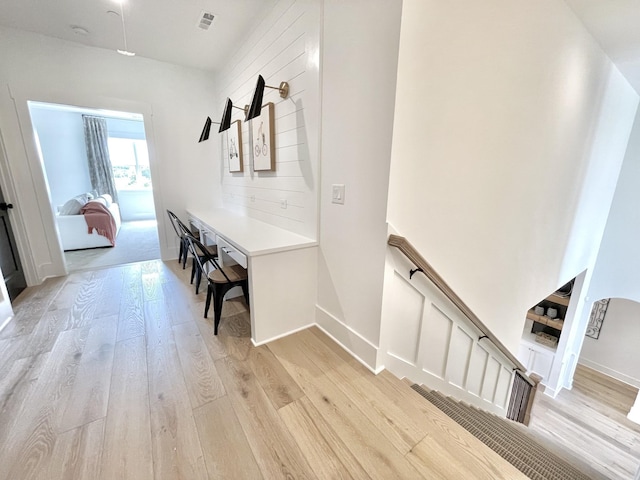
(256, 101)
(225, 123)
(205, 131)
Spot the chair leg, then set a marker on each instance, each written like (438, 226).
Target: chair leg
(185, 248)
(220, 290)
(198, 278)
(195, 273)
(208, 303)
(181, 251)
(245, 291)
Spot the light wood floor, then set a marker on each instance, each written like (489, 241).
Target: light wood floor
(114, 374)
(591, 421)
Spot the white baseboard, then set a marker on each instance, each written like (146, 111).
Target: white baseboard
(359, 347)
(551, 392)
(611, 372)
(6, 322)
(634, 415)
(354, 343)
(257, 344)
(403, 369)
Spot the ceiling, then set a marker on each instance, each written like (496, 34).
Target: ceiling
(615, 25)
(165, 30)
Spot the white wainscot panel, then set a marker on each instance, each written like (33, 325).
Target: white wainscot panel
(435, 342)
(477, 367)
(503, 387)
(431, 342)
(405, 335)
(491, 379)
(459, 356)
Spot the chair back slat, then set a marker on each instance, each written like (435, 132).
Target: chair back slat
(202, 256)
(174, 222)
(186, 231)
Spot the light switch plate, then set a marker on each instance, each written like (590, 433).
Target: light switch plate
(337, 195)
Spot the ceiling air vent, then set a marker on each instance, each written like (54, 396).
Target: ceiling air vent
(205, 20)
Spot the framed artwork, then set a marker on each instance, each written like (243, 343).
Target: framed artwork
(263, 136)
(596, 318)
(234, 147)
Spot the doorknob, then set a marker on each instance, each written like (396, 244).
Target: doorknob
(5, 206)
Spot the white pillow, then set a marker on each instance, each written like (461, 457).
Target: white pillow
(73, 206)
(107, 199)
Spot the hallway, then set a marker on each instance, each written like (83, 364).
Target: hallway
(114, 374)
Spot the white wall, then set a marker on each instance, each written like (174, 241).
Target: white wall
(359, 60)
(510, 125)
(616, 351)
(617, 270)
(61, 136)
(284, 47)
(174, 101)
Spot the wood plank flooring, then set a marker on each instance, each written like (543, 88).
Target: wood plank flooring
(114, 374)
(590, 422)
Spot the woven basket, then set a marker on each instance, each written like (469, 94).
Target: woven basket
(546, 339)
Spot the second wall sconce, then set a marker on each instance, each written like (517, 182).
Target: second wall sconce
(256, 101)
(251, 111)
(225, 123)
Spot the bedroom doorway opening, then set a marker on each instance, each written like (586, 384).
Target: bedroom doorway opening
(91, 157)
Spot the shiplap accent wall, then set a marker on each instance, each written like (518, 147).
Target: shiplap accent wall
(426, 339)
(284, 47)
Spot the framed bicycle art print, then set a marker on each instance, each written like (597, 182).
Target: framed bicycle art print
(263, 138)
(234, 147)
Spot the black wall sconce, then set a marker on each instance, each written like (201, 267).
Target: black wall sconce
(256, 101)
(206, 130)
(225, 123)
(251, 111)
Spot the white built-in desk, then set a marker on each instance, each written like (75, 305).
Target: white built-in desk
(282, 269)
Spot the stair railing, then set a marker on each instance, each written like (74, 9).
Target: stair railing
(524, 387)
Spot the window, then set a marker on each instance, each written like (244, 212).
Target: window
(130, 162)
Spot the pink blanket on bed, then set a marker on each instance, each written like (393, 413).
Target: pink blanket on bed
(99, 217)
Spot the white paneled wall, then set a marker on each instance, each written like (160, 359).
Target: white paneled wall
(425, 338)
(284, 47)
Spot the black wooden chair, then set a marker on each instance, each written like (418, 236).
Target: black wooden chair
(184, 233)
(219, 280)
(176, 224)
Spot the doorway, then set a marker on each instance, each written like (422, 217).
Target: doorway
(60, 139)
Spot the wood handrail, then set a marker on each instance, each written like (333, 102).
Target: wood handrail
(418, 260)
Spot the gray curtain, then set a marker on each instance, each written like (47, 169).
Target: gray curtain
(100, 170)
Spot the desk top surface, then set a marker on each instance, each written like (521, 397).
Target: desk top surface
(252, 237)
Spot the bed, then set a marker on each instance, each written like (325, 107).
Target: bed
(74, 231)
